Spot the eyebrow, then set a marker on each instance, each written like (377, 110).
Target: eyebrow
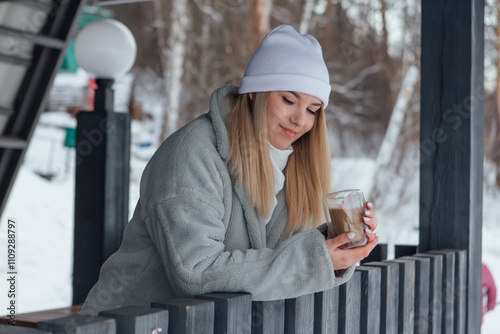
(298, 96)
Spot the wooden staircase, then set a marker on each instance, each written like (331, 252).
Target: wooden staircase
(34, 35)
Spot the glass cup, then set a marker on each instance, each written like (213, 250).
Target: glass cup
(345, 210)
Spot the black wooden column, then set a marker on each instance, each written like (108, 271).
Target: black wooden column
(451, 140)
(101, 187)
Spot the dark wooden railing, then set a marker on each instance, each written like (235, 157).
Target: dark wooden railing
(421, 293)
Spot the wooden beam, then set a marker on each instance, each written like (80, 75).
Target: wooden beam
(451, 139)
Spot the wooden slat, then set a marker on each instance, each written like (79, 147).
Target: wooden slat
(458, 296)
(41, 40)
(12, 143)
(299, 315)
(379, 253)
(405, 250)
(32, 318)
(136, 320)
(350, 305)
(461, 292)
(188, 315)
(406, 295)
(14, 60)
(326, 308)
(9, 329)
(389, 309)
(435, 291)
(31, 3)
(448, 288)
(6, 111)
(422, 287)
(371, 278)
(78, 323)
(233, 312)
(268, 317)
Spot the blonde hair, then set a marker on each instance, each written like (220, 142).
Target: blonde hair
(307, 173)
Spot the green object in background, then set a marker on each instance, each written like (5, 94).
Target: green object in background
(70, 139)
(89, 14)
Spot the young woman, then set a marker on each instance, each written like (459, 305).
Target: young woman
(230, 201)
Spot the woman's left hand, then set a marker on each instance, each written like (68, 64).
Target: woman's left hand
(369, 220)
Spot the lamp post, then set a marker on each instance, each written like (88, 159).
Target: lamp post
(107, 50)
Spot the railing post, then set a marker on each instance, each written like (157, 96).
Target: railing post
(435, 292)
(188, 315)
(233, 312)
(371, 280)
(448, 289)
(299, 315)
(268, 317)
(389, 292)
(452, 135)
(350, 305)
(136, 320)
(326, 311)
(78, 323)
(422, 293)
(406, 295)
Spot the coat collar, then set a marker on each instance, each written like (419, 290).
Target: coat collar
(219, 108)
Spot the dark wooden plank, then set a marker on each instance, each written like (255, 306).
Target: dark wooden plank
(379, 253)
(371, 278)
(326, 308)
(389, 290)
(135, 320)
(78, 323)
(448, 289)
(452, 134)
(268, 317)
(406, 295)
(299, 315)
(405, 250)
(422, 294)
(10, 329)
(233, 311)
(350, 305)
(32, 318)
(188, 315)
(435, 291)
(461, 292)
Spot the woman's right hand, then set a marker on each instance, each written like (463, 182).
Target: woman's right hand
(344, 258)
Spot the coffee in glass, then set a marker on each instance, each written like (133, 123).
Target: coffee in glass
(345, 211)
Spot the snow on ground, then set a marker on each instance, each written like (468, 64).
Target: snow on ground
(43, 211)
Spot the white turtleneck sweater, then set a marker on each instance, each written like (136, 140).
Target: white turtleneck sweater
(279, 158)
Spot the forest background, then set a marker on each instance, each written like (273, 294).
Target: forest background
(186, 49)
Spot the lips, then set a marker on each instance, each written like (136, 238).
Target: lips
(288, 132)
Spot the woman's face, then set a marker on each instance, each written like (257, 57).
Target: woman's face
(289, 116)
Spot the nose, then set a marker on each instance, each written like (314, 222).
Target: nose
(298, 117)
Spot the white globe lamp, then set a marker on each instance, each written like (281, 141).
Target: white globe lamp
(105, 48)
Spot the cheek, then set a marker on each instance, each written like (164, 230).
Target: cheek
(310, 124)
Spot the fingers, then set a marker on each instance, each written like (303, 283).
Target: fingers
(359, 253)
(343, 258)
(369, 217)
(340, 240)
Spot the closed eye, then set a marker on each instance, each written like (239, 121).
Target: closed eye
(287, 101)
(313, 112)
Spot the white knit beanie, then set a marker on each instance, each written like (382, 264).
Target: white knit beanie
(287, 61)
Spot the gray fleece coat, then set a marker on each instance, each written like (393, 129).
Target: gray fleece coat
(195, 231)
